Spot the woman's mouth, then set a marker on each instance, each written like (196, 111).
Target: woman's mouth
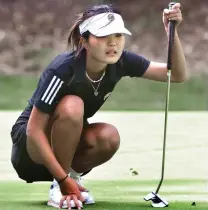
(111, 52)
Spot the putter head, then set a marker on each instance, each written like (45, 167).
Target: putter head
(157, 201)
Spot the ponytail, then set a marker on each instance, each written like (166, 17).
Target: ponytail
(74, 36)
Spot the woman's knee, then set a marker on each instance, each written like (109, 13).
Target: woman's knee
(70, 108)
(105, 138)
(109, 137)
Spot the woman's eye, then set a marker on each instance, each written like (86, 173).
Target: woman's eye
(105, 37)
(119, 35)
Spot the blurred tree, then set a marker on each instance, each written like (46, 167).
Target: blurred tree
(31, 29)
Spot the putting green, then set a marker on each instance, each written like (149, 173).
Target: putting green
(108, 195)
(141, 134)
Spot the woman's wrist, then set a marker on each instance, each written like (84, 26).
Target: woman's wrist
(63, 179)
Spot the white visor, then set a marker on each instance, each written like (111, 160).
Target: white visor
(104, 24)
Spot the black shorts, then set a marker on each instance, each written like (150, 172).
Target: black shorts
(21, 161)
(25, 167)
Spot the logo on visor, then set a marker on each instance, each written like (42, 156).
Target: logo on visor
(111, 17)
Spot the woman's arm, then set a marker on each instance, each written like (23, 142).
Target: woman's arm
(36, 132)
(158, 71)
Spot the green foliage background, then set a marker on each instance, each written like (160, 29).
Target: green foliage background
(30, 38)
(129, 94)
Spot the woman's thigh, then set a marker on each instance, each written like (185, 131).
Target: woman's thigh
(99, 133)
(98, 144)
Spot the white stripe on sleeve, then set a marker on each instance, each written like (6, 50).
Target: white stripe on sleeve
(49, 87)
(56, 92)
(53, 88)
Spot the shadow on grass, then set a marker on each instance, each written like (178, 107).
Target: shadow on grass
(32, 203)
(23, 204)
(103, 205)
(100, 205)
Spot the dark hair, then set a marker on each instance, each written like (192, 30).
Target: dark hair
(74, 35)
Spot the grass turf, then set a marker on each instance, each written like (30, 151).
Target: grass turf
(122, 195)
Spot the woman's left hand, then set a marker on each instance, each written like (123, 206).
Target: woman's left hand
(172, 14)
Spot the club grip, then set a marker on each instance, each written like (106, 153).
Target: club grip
(170, 5)
(170, 39)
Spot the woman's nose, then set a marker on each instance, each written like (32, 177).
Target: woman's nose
(112, 44)
(111, 41)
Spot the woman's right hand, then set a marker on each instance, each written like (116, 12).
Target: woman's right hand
(70, 191)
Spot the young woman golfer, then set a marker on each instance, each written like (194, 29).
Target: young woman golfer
(52, 139)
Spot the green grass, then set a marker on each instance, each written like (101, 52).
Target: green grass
(34, 205)
(117, 195)
(130, 94)
(16, 91)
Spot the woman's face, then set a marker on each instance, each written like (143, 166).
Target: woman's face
(107, 49)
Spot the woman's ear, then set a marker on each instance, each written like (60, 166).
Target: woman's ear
(83, 43)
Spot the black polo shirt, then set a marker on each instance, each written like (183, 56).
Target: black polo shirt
(65, 75)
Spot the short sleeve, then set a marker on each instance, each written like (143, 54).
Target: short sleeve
(48, 92)
(134, 65)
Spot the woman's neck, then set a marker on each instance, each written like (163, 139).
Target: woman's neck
(94, 68)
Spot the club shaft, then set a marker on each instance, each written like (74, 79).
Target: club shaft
(165, 130)
(169, 67)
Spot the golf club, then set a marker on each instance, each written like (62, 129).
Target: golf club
(157, 201)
